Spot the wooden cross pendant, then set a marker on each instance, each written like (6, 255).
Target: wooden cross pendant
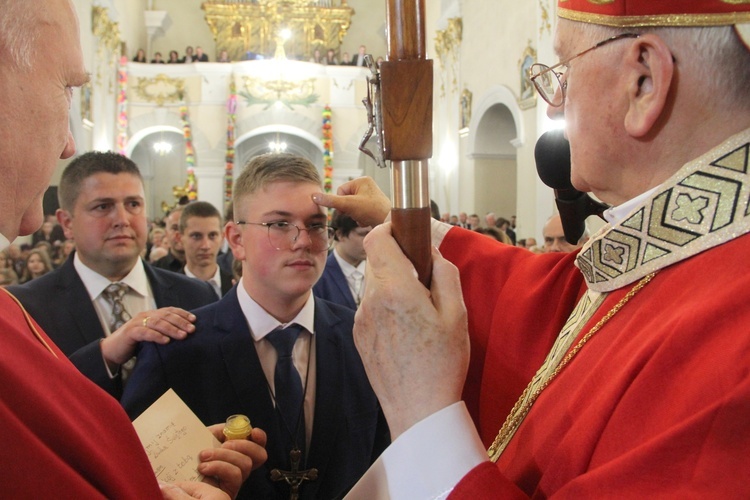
(295, 477)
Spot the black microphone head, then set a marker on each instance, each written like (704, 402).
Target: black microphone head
(552, 155)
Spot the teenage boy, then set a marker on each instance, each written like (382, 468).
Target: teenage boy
(312, 397)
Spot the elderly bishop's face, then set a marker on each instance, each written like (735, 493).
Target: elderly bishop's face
(594, 110)
(35, 98)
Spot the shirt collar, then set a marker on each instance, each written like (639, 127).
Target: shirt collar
(613, 215)
(215, 279)
(95, 283)
(261, 323)
(4, 243)
(347, 268)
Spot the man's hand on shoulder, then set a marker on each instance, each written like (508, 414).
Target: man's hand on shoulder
(160, 326)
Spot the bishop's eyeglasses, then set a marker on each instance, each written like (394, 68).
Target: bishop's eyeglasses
(551, 84)
(282, 235)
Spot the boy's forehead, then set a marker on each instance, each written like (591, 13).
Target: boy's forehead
(271, 198)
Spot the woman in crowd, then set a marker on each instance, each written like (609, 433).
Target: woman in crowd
(140, 56)
(37, 264)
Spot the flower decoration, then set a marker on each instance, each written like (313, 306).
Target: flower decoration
(231, 120)
(122, 106)
(192, 185)
(327, 150)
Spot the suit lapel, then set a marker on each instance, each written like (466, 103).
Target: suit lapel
(80, 306)
(164, 293)
(244, 370)
(328, 388)
(340, 281)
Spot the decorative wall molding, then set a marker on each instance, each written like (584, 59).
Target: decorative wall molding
(448, 49)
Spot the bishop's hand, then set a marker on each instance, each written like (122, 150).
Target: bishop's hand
(414, 342)
(361, 199)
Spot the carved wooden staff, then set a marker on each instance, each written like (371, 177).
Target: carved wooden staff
(400, 111)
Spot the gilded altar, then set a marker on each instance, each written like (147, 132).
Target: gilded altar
(248, 27)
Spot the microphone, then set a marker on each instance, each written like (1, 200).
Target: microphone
(552, 155)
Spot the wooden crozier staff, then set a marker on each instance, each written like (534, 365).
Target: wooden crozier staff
(399, 105)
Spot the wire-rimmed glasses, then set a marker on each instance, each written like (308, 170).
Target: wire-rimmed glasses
(282, 235)
(551, 84)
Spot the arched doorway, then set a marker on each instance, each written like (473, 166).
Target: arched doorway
(493, 142)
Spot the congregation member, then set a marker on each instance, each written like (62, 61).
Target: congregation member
(343, 279)
(108, 300)
(38, 264)
(63, 436)
(272, 351)
(554, 236)
(634, 383)
(175, 259)
(201, 234)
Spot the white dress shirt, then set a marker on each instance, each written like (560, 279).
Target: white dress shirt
(356, 285)
(138, 298)
(261, 323)
(214, 281)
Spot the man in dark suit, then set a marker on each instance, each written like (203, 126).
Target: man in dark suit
(312, 397)
(175, 260)
(359, 58)
(201, 236)
(102, 209)
(343, 280)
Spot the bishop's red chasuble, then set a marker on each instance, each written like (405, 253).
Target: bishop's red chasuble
(62, 436)
(657, 402)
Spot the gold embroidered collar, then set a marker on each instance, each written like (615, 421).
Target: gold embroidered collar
(706, 203)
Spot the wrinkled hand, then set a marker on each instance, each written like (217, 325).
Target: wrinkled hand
(413, 342)
(229, 467)
(185, 490)
(360, 199)
(160, 326)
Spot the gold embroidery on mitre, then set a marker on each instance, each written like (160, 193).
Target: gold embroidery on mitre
(656, 20)
(601, 2)
(706, 203)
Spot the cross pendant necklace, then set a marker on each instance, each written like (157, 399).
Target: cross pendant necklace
(295, 477)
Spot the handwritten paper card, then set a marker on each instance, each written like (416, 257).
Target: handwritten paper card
(173, 436)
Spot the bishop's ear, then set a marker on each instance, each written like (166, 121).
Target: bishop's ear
(649, 67)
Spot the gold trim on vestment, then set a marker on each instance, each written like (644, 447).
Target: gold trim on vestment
(29, 322)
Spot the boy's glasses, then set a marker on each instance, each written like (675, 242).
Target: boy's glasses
(283, 235)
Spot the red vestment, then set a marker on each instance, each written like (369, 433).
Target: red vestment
(656, 404)
(62, 436)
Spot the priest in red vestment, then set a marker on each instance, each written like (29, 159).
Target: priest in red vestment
(622, 370)
(62, 436)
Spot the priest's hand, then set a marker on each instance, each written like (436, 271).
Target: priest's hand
(414, 342)
(361, 199)
(160, 326)
(230, 466)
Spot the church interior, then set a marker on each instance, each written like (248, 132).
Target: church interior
(191, 127)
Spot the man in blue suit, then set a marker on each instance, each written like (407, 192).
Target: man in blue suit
(312, 397)
(103, 210)
(343, 280)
